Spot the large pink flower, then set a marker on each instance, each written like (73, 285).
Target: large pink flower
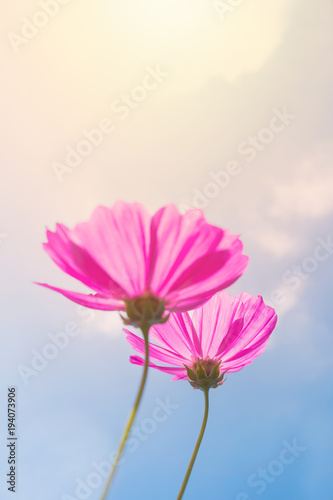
(226, 333)
(125, 255)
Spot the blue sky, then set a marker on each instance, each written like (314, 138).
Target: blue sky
(227, 80)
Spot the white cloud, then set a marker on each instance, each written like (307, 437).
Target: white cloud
(190, 39)
(106, 322)
(277, 243)
(251, 37)
(307, 194)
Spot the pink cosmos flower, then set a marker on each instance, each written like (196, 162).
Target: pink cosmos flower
(127, 256)
(224, 335)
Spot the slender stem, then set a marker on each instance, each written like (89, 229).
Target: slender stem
(197, 446)
(145, 330)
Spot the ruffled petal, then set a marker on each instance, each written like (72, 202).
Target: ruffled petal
(259, 322)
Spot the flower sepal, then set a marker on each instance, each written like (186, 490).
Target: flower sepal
(146, 310)
(205, 375)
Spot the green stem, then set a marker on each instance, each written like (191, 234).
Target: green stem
(145, 330)
(197, 446)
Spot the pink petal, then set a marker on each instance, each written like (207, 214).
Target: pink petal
(178, 334)
(92, 301)
(177, 242)
(118, 238)
(77, 263)
(197, 294)
(155, 352)
(259, 322)
(243, 358)
(214, 322)
(233, 334)
(179, 372)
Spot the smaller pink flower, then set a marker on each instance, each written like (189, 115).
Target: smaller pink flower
(224, 335)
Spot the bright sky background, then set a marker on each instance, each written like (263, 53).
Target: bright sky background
(227, 75)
